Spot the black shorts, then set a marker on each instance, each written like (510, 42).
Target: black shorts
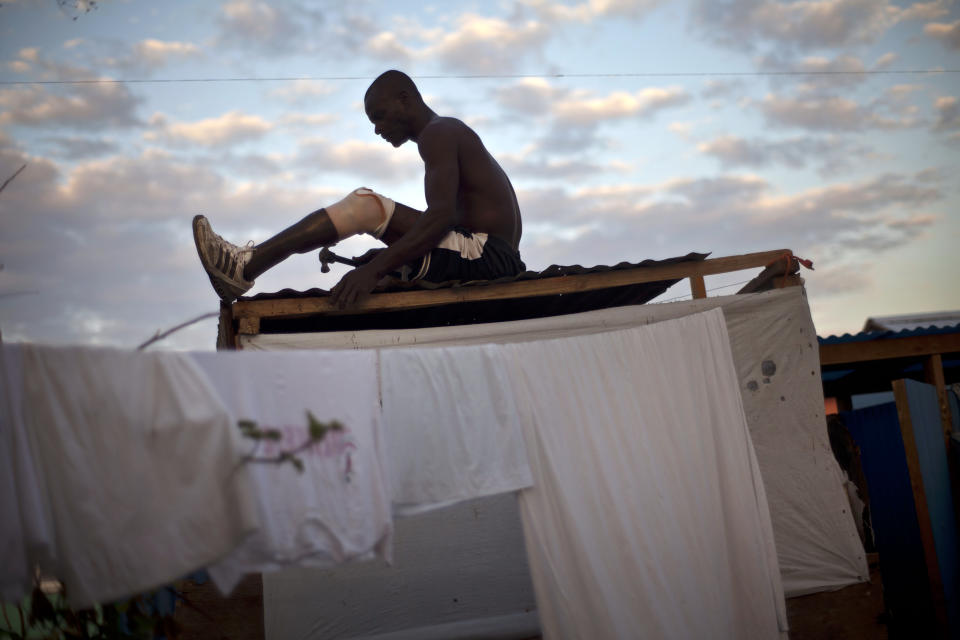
(463, 255)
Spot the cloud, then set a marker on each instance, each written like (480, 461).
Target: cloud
(537, 97)
(143, 57)
(838, 114)
(307, 120)
(565, 139)
(301, 92)
(588, 11)
(231, 128)
(948, 114)
(804, 25)
(727, 214)
(476, 44)
(157, 52)
(884, 61)
(948, 34)
(713, 89)
(147, 56)
(75, 148)
(618, 105)
(839, 279)
(523, 166)
(573, 116)
(87, 106)
(831, 153)
(269, 28)
(250, 165)
(530, 96)
(355, 157)
(108, 246)
(824, 72)
(31, 60)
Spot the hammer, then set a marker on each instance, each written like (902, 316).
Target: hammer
(326, 257)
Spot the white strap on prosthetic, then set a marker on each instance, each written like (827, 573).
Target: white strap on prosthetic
(362, 211)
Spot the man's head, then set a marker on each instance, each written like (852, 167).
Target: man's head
(394, 106)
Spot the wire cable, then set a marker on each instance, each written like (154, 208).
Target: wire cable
(493, 76)
(690, 295)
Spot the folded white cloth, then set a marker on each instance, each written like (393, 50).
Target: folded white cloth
(451, 426)
(139, 468)
(338, 508)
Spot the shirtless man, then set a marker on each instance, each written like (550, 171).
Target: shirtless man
(470, 230)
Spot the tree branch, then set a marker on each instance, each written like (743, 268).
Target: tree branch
(10, 179)
(183, 325)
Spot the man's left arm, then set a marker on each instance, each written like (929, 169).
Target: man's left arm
(438, 148)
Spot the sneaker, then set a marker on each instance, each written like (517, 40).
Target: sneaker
(223, 261)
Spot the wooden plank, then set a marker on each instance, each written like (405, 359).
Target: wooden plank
(913, 346)
(764, 281)
(920, 502)
(291, 307)
(698, 287)
(226, 338)
(933, 374)
(249, 326)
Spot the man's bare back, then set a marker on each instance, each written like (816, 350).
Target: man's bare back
(470, 229)
(486, 201)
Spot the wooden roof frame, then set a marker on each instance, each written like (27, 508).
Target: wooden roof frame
(243, 316)
(928, 349)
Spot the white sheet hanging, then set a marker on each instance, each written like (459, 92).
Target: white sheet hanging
(648, 517)
(26, 529)
(338, 509)
(451, 427)
(138, 463)
(777, 361)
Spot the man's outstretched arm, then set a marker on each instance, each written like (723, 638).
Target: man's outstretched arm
(438, 148)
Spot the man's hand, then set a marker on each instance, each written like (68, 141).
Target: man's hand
(354, 287)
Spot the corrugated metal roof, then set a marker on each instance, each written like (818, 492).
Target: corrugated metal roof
(481, 311)
(865, 336)
(912, 321)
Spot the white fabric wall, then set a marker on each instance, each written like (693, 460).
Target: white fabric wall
(647, 518)
(776, 356)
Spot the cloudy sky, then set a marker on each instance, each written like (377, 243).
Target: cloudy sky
(632, 129)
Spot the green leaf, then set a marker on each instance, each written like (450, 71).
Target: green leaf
(317, 430)
(298, 463)
(272, 434)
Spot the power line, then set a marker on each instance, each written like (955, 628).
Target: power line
(504, 76)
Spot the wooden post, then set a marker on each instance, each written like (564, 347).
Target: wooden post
(226, 338)
(698, 287)
(920, 502)
(933, 374)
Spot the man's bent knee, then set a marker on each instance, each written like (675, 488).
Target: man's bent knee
(362, 211)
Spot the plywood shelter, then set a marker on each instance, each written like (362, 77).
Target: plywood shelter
(900, 443)
(775, 353)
